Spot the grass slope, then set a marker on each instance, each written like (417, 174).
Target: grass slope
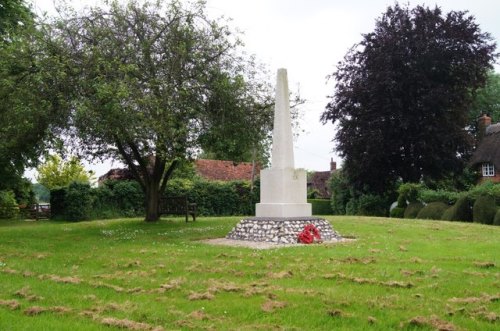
(126, 274)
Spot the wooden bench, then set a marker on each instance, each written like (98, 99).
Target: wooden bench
(177, 206)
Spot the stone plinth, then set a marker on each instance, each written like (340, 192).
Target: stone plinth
(280, 230)
(283, 193)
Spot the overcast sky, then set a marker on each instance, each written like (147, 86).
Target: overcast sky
(308, 38)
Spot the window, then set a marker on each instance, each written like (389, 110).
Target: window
(488, 170)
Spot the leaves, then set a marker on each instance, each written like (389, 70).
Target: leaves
(403, 95)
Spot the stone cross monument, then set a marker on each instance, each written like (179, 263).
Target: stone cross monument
(283, 211)
(283, 189)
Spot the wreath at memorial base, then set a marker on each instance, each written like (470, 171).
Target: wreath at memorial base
(309, 235)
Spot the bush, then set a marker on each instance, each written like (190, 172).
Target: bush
(409, 191)
(58, 202)
(484, 209)
(78, 202)
(341, 194)
(8, 205)
(397, 212)
(413, 209)
(372, 205)
(433, 211)
(320, 206)
(496, 220)
(461, 211)
(487, 188)
(447, 197)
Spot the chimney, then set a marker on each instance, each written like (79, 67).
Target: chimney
(333, 165)
(483, 122)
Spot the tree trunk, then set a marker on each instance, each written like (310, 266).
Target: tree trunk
(152, 197)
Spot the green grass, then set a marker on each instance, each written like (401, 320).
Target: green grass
(107, 275)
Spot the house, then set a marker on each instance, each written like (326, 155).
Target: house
(486, 157)
(318, 181)
(226, 170)
(207, 169)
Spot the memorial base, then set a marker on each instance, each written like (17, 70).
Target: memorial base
(280, 230)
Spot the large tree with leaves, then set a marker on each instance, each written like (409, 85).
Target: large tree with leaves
(29, 114)
(146, 80)
(403, 93)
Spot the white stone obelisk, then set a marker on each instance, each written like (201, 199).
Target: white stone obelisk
(283, 189)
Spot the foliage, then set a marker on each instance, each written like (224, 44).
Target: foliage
(484, 209)
(486, 101)
(409, 191)
(320, 206)
(78, 202)
(388, 264)
(398, 212)
(372, 205)
(149, 81)
(8, 205)
(58, 202)
(413, 209)
(42, 194)
(460, 211)
(31, 110)
(14, 14)
(486, 188)
(448, 197)
(496, 221)
(406, 86)
(433, 211)
(55, 172)
(341, 192)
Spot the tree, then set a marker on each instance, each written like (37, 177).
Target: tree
(486, 101)
(56, 173)
(30, 116)
(143, 78)
(402, 96)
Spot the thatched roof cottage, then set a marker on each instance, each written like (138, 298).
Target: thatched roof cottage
(486, 157)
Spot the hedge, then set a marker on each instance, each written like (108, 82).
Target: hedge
(496, 221)
(460, 211)
(413, 209)
(8, 205)
(432, 211)
(321, 206)
(484, 209)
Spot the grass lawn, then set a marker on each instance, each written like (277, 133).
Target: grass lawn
(126, 274)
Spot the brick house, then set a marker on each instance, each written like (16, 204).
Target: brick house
(486, 157)
(208, 169)
(319, 181)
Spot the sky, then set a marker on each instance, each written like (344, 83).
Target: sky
(309, 38)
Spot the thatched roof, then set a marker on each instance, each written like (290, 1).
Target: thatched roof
(488, 150)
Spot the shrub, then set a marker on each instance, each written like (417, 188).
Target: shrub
(341, 194)
(496, 220)
(461, 211)
(432, 211)
(8, 205)
(78, 202)
(128, 198)
(57, 202)
(447, 197)
(484, 209)
(397, 212)
(320, 206)
(487, 188)
(409, 191)
(413, 209)
(372, 205)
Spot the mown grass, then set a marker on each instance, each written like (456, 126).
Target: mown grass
(126, 274)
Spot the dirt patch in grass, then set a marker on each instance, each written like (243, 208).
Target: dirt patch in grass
(433, 322)
(35, 310)
(483, 299)
(271, 305)
(216, 286)
(129, 325)
(486, 264)
(25, 293)
(173, 284)
(280, 275)
(59, 279)
(201, 296)
(199, 315)
(355, 260)
(360, 280)
(11, 304)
